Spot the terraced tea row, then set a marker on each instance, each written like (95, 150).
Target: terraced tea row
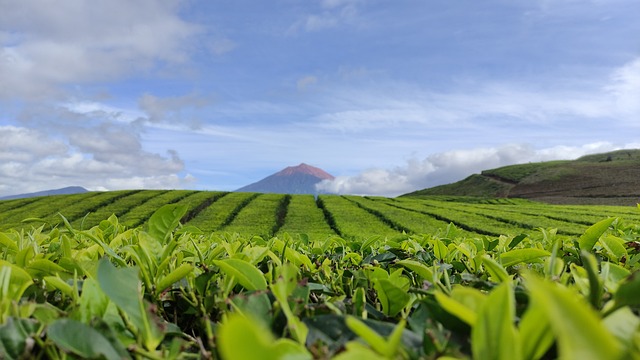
(346, 216)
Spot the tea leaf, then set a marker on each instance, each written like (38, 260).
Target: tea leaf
(417, 267)
(456, 308)
(517, 256)
(535, 332)
(628, 293)
(593, 233)
(91, 344)
(496, 321)
(497, 272)
(44, 266)
(59, 284)
(123, 288)
(246, 274)
(241, 338)
(623, 324)
(165, 220)
(392, 298)
(579, 331)
(614, 246)
(8, 243)
(13, 337)
(173, 277)
(372, 338)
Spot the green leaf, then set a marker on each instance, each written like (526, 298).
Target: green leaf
(440, 250)
(165, 220)
(419, 268)
(392, 298)
(8, 243)
(535, 332)
(457, 308)
(395, 339)
(81, 340)
(628, 293)
(495, 270)
(123, 288)
(613, 275)
(13, 282)
(24, 256)
(241, 338)
(593, 233)
(256, 305)
(496, 321)
(61, 285)
(359, 300)
(517, 256)
(358, 351)
(372, 338)
(595, 284)
(577, 327)
(13, 337)
(246, 274)
(282, 289)
(93, 302)
(44, 266)
(173, 277)
(614, 247)
(623, 324)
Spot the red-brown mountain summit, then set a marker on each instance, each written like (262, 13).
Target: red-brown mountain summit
(300, 179)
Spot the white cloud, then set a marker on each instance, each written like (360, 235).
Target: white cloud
(306, 81)
(451, 166)
(333, 13)
(90, 152)
(221, 46)
(330, 4)
(78, 42)
(625, 89)
(168, 109)
(393, 105)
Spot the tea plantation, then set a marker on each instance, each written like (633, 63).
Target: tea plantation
(194, 274)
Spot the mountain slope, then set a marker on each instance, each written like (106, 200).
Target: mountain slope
(300, 179)
(610, 178)
(63, 191)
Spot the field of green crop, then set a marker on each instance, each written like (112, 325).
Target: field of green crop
(346, 216)
(217, 275)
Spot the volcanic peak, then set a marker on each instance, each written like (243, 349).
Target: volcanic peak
(305, 169)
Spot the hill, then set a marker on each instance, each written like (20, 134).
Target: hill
(611, 178)
(300, 179)
(63, 191)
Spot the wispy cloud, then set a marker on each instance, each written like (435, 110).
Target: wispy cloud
(331, 14)
(625, 90)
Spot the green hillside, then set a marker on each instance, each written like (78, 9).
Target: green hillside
(608, 179)
(349, 217)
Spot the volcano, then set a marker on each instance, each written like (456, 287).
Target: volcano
(300, 179)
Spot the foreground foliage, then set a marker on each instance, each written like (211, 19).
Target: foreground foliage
(172, 291)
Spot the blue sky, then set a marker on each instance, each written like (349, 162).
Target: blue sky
(388, 96)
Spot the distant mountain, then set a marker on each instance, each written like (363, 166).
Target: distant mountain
(611, 178)
(301, 179)
(64, 191)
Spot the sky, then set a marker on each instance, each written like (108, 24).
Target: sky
(388, 96)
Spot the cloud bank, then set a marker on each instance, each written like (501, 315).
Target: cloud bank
(83, 42)
(447, 167)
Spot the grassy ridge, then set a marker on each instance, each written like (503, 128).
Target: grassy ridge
(607, 179)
